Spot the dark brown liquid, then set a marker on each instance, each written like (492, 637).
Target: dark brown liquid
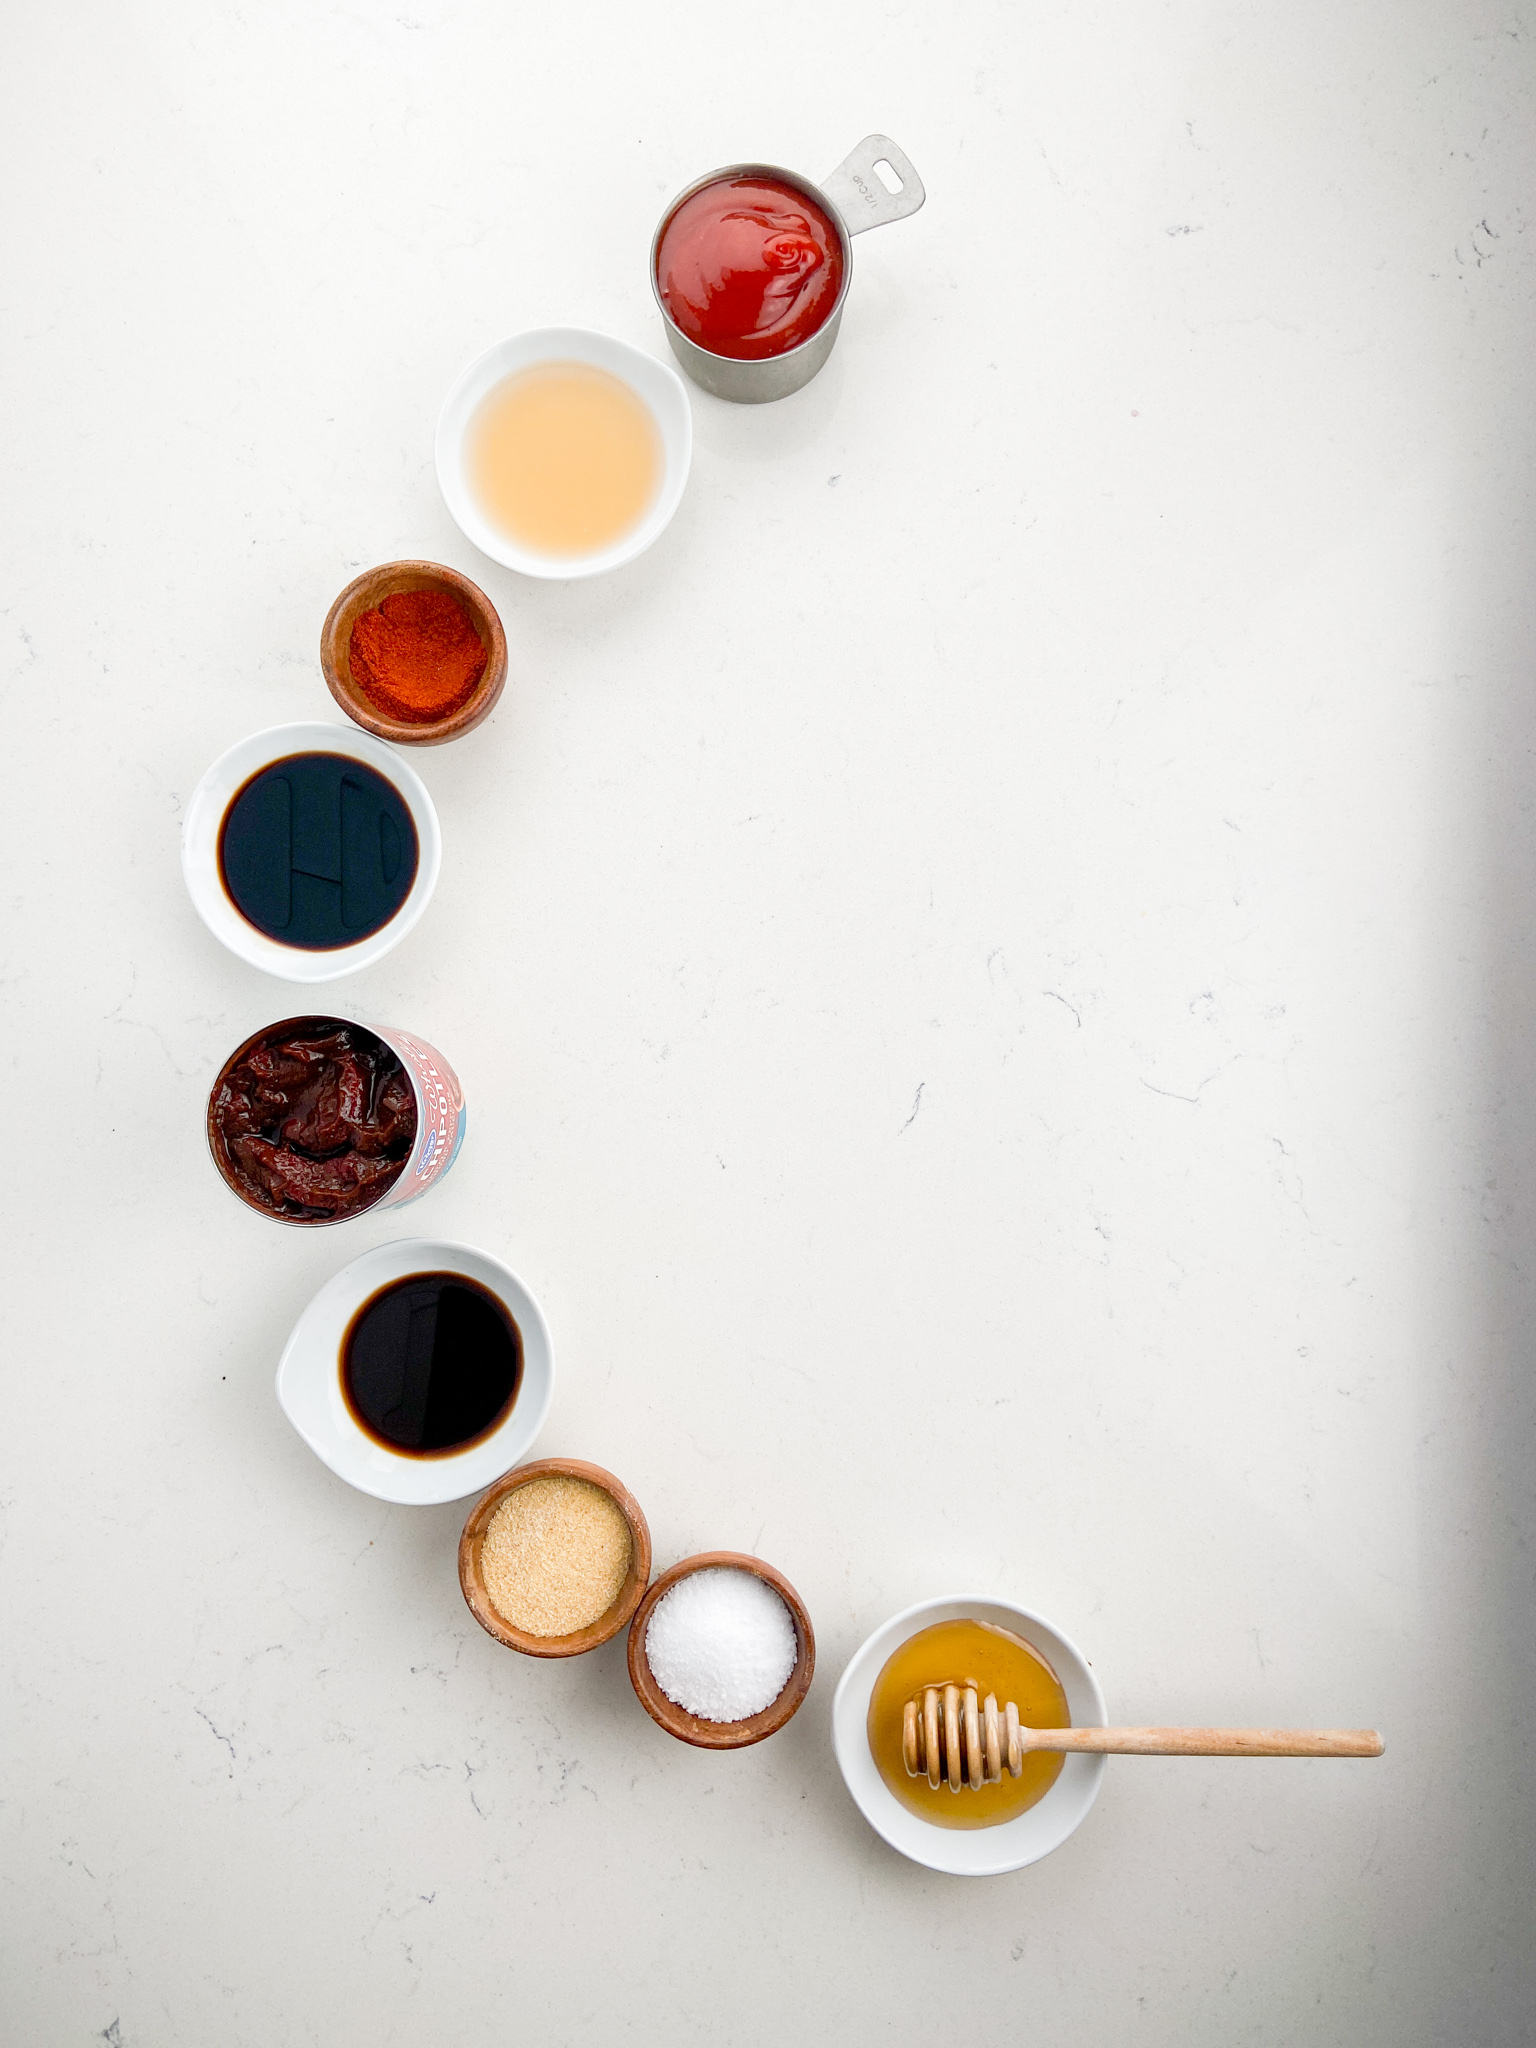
(318, 850)
(431, 1364)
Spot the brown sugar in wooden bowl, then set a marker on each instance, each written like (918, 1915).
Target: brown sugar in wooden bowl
(370, 589)
(608, 1624)
(666, 1713)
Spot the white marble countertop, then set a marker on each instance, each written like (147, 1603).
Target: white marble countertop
(992, 971)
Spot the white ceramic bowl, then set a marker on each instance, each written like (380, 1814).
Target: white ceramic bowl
(200, 849)
(968, 1852)
(654, 382)
(309, 1379)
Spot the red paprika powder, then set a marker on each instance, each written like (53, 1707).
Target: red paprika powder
(416, 656)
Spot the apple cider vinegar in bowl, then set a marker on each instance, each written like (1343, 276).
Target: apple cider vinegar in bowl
(563, 452)
(564, 458)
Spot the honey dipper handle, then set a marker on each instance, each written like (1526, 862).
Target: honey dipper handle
(1209, 1741)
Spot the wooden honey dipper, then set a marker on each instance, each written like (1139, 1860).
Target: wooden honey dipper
(948, 1733)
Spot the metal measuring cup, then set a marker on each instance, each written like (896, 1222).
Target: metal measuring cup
(855, 198)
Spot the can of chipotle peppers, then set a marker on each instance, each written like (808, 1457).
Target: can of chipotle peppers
(319, 1119)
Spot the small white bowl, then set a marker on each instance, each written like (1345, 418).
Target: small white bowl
(309, 1379)
(968, 1852)
(656, 383)
(200, 849)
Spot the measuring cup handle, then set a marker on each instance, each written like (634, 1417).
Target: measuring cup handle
(859, 193)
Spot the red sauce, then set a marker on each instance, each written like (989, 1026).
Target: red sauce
(749, 267)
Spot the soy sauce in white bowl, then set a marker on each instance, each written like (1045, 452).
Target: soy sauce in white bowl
(312, 1390)
(431, 1364)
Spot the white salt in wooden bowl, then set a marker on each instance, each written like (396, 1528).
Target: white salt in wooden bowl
(692, 1728)
(607, 1625)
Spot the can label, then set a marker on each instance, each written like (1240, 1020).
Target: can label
(440, 1115)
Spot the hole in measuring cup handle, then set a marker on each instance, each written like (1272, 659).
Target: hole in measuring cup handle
(862, 192)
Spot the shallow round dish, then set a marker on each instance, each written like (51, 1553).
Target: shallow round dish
(978, 1852)
(309, 1378)
(630, 1593)
(200, 849)
(677, 1720)
(370, 589)
(657, 384)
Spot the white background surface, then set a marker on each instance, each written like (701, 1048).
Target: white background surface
(991, 970)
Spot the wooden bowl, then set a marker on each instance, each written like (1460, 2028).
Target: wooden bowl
(722, 1734)
(370, 589)
(607, 1625)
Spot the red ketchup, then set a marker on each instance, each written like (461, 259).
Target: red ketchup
(749, 267)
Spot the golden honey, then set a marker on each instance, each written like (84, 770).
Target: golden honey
(564, 458)
(993, 1660)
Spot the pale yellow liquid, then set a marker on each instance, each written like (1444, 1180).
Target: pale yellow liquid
(564, 458)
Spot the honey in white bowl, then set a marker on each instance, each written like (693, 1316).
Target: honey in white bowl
(967, 1653)
(563, 458)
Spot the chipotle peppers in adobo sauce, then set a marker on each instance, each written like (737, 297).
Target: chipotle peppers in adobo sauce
(749, 266)
(312, 1121)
